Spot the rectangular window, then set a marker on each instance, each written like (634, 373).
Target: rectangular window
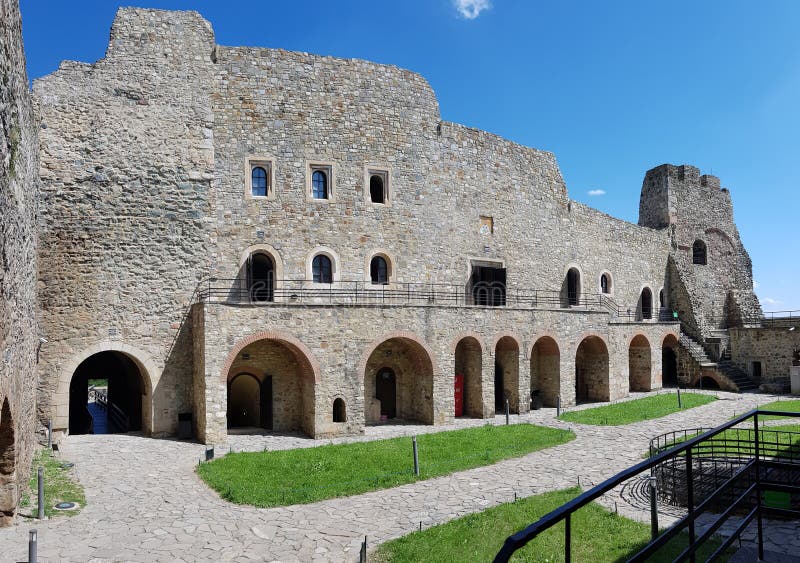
(377, 185)
(259, 178)
(756, 369)
(320, 181)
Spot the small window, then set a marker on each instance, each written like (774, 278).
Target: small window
(319, 184)
(322, 269)
(259, 182)
(339, 412)
(756, 369)
(662, 303)
(605, 283)
(699, 252)
(377, 193)
(379, 271)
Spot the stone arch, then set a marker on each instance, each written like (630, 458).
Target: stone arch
(639, 363)
(572, 286)
(669, 359)
(339, 410)
(277, 263)
(244, 406)
(644, 308)
(391, 268)
(609, 283)
(545, 365)
(398, 371)
(8, 465)
(149, 372)
(592, 370)
(468, 364)
(506, 373)
(336, 263)
(471, 334)
(287, 374)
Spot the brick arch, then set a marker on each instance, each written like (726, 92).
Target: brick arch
(583, 336)
(545, 334)
(468, 334)
(668, 334)
(149, 372)
(300, 351)
(640, 365)
(636, 335)
(402, 334)
(498, 337)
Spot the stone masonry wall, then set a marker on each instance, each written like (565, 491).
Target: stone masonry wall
(127, 160)
(773, 347)
(19, 323)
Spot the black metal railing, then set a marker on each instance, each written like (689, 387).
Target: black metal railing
(307, 292)
(759, 472)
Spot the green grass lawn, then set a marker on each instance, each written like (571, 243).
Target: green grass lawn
(597, 535)
(98, 383)
(791, 405)
(637, 410)
(60, 485)
(277, 478)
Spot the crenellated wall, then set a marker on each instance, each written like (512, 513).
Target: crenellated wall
(19, 321)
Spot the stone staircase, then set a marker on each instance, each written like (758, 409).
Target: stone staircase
(723, 367)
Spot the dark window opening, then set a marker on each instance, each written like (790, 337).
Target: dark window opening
(377, 193)
(487, 286)
(386, 392)
(605, 284)
(261, 277)
(573, 286)
(259, 182)
(379, 271)
(319, 185)
(699, 255)
(339, 414)
(647, 303)
(322, 269)
(661, 302)
(756, 369)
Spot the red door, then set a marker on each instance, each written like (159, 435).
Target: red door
(459, 394)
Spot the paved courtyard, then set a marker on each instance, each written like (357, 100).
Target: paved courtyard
(145, 502)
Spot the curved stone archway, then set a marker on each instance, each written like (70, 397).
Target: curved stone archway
(592, 371)
(468, 364)
(639, 364)
(545, 359)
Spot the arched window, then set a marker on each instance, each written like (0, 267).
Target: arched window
(699, 252)
(376, 191)
(647, 303)
(322, 269)
(379, 270)
(661, 300)
(573, 286)
(259, 185)
(319, 185)
(605, 283)
(260, 277)
(339, 412)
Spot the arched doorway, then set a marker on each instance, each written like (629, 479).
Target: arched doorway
(271, 386)
(398, 382)
(261, 277)
(468, 367)
(8, 466)
(646, 304)
(707, 382)
(506, 375)
(117, 393)
(669, 361)
(591, 371)
(571, 291)
(639, 364)
(546, 370)
(250, 401)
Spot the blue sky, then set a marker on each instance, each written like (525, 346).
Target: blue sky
(612, 88)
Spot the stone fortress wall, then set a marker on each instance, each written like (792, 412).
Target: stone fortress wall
(19, 331)
(145, 162)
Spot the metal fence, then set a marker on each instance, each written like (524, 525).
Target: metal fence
(763, 469)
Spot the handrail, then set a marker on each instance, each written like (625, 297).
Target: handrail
(563, 513)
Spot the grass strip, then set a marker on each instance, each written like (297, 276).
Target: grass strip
(597, 535)
(60, 485)
(637, 410)
(791, 405)
(303, 475)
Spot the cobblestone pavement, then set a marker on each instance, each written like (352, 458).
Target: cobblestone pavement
(145, 503)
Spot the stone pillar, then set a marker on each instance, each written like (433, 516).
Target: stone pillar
(487, 382)
(567, 378)
(524, 379)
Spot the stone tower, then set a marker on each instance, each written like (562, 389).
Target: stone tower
(709, 273)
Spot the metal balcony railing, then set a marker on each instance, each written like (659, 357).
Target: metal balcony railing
(306, 292)
(763, 462)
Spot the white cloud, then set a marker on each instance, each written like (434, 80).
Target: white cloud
(471, 9)
(596, 192)
(770, 301)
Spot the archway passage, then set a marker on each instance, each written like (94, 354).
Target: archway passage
(669, 362)
(8, 466)
(639, 364)
(591, 371)
(261, 277)
(571, 289)
(506, 365)
(707, 382)
(546, 370)
(468, 367)
(398, 383)
(118, 391)
(271, 387)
